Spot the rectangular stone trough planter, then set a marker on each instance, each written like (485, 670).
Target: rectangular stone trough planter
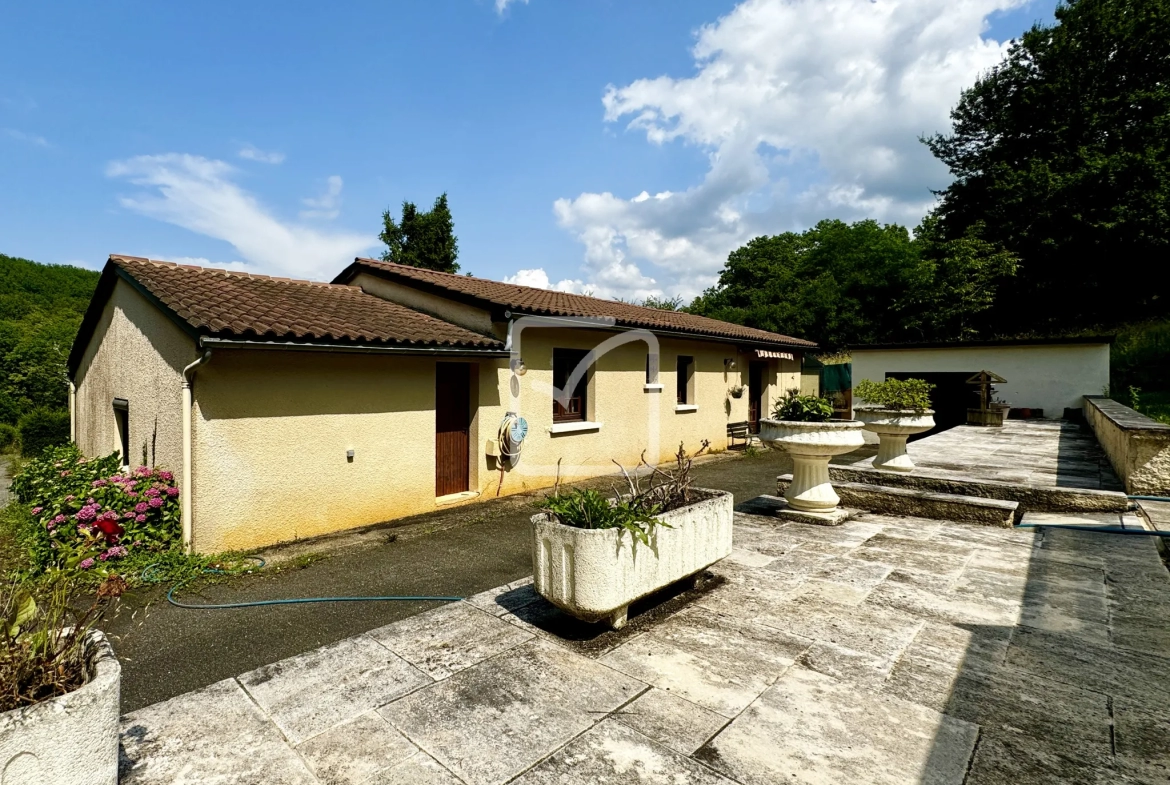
(71, 739)
(594, 574)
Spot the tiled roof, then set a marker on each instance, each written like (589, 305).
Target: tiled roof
(225, 304)
(529, 300)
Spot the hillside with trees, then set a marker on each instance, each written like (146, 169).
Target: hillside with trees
(40, 310)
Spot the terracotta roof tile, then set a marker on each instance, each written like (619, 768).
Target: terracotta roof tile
(530, 300)
(225, 304)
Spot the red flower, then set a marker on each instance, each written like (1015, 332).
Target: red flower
(112, 529)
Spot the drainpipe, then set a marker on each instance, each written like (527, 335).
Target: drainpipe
(185, 492)
(72, 412)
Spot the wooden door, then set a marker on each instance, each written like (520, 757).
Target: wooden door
(755, 394)
(452, 427)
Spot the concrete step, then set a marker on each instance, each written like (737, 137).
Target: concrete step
(920, 503)
(1030, 497)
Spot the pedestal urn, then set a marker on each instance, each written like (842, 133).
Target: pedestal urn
(811, 445)
(893, 427)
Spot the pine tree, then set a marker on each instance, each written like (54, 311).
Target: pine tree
(421, 239)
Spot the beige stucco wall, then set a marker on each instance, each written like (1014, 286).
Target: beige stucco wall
(1051, 378)
(272, 430)
(138, 354)
(466, 316)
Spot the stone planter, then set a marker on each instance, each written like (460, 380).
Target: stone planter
(811, 445)
(594, 574)
(71, 739)
(893, 427)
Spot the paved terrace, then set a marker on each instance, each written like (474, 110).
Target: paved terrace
(886, 650)
(1041, 453)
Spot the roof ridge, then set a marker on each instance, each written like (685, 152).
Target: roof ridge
(233, 273)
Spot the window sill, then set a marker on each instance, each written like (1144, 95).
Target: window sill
(573, 427)
(652, 387)
(686, 407)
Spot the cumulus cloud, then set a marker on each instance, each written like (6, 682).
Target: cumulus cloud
(502, 5)
(539, 279)
(327, 205)
(200, 195)
(805, 109)
(263, 156)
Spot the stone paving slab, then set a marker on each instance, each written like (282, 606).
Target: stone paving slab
(886, 650)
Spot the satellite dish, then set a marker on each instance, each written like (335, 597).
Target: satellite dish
(518, 430)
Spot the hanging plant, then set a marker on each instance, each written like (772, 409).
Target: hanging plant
(736, 391)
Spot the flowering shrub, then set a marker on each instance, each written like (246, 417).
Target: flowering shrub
(86, 512)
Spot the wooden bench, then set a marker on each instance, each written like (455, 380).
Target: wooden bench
(738, 431)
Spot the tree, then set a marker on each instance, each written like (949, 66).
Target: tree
(1061, 154)
(421, 239)
(843, 284)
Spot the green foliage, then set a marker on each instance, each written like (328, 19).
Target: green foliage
(803, 408)
(86, 514)
(1061, 154)
(42, 428)
(421, 239)
(40, 310)
(842, 284)
(908, 394)
(9, 437)
(43, 630)
(663, 303)
(1140, 356)
(589, 509)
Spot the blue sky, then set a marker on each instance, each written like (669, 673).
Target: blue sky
(618, 147)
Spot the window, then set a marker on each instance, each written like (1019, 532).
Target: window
(122, 424)
(684, 375)
(564, 363)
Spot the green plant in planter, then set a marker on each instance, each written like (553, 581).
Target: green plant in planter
(803, 408)
(907, 394)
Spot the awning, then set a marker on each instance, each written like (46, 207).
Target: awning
(764, 354)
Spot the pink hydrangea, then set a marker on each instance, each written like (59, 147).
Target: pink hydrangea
(117, 552)
(86, 564)
(86, 513)
(65, 474)
(141, 507)
(128, 514)
(90, 500)
(98, 483)
(70, 498)
(142, 471)
(172, 491)
(37, 510)
(168, 476)
(140, 518)
(151, 492)
(155, 502)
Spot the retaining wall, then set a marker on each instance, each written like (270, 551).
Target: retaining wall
(1138, 447)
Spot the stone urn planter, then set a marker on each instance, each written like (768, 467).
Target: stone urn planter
(893, 427)
(594, 574)
(811, 445)
(71, 739)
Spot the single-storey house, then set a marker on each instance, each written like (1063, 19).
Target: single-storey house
(292, 409)
(1043, 375)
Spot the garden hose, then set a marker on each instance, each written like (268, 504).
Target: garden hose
(260, 603)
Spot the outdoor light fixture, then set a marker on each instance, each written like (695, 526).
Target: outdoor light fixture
(518, 366)
(730, 363)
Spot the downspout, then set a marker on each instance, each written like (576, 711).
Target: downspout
(72, 412)
(185, 493)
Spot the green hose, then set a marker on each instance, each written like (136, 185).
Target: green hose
(294, 601)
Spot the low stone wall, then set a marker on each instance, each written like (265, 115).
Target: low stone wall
(1138, 447)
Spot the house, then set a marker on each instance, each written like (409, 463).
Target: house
(1046, 376)
(292, 409)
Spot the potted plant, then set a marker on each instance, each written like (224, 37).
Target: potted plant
(592, 556)
(59, 688)
(895, 410)
(736, 391)
(803, 426)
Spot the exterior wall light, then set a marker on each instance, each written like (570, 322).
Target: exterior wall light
(730, 363)
(518, 366)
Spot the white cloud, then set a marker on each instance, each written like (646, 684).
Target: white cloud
(21, 136)
(806, 109)
(502, 5)
(198, 194)
(263, 156)
(327, 205)
(538, 278)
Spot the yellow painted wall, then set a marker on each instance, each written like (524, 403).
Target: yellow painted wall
(138, 354)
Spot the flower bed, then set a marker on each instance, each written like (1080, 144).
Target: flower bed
(87, 514)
